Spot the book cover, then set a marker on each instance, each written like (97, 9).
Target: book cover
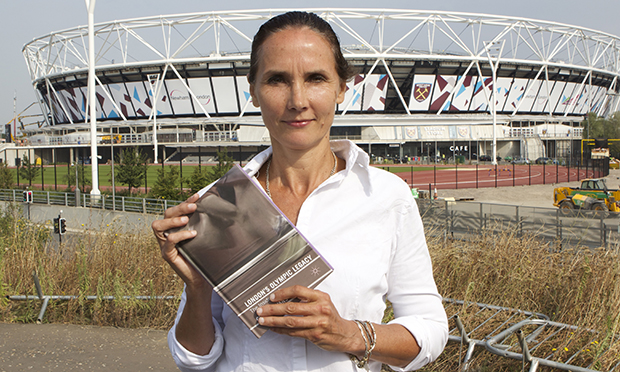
(246, 248)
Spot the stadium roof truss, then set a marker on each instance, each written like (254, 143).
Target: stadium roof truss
(398, 45)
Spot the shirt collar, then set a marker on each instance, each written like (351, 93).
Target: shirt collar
(354, 156)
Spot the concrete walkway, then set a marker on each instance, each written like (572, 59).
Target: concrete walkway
(57, 347)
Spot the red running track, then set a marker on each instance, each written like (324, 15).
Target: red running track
(472, 176)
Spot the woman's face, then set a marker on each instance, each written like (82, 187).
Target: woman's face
(297, 88)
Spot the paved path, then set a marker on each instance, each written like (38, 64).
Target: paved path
(57, 347)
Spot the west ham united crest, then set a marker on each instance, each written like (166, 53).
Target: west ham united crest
(421, 91)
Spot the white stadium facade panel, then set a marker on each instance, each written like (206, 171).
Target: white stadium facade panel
(421, 76)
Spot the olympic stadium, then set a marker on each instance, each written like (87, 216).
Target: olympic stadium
(428, 84)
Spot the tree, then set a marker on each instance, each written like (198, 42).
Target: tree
(27, 170)
(167, 184)
(203, 177)
(225, 162)
(600, 127)
(83, 177)
(131, 168)
(7, 180)
(199, 179)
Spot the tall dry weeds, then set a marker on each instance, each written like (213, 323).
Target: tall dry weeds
(102, 263)
(573, 286)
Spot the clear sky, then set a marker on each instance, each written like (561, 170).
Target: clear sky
(27, 19)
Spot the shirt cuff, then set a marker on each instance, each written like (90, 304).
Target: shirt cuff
(188, 361)
(431, 336)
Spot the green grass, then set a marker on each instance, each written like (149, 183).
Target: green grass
(105, 174)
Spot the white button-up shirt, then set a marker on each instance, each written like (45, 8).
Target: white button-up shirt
(365, 223)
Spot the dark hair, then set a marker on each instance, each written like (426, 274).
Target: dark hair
(299, 19)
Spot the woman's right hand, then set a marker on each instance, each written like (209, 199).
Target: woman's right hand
(174, 218)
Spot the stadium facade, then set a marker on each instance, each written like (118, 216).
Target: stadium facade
(428, 84)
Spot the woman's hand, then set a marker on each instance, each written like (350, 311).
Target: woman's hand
(174, 218)
(195, 327)
(313, 317)
(316, 319)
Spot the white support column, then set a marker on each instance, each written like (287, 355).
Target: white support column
(94, 159)
(487, 47)
(154, 78)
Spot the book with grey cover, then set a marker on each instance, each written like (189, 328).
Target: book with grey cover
(246, 248)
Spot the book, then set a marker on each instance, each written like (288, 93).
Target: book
(246, 248)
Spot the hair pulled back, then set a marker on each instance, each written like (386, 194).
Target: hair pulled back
(297, 19)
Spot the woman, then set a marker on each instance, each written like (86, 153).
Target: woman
(361, 219)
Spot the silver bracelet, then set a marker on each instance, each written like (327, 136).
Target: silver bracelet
(370, 336)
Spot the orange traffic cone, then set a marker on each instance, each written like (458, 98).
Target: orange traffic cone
(435, 194)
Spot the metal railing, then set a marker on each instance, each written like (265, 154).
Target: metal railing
(463, 219)
(107, 202)
(529, 337)
(454, 219)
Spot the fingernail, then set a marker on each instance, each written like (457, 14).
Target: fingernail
(184, 219)
(272, 297)
(261, 320)
(259, 311)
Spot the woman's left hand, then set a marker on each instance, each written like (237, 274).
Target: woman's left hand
(313, 317)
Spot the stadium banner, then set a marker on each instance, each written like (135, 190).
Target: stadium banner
(365, 97)
(421, 91)
(375, 91)
(599, 99)
(444, 86)
(138, 96)
(243, 90)
(533, 87)
(482, 94)
(225, 95)
(542, 99)
(554, 98)
(163, 103)
(69, 100)
(202, 89)
(180, 99)
(502, 89)
(462, 98)
(517, 91)
(122, 99)
(583, 101)
(568, 98)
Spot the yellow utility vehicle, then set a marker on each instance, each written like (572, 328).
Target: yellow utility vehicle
(592, 195)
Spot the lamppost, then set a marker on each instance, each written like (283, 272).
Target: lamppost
(90, 6)
(488, 45)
